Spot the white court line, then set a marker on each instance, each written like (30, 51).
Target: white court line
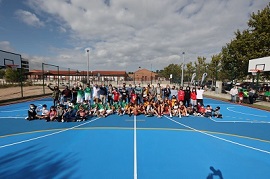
(135, 148)
(220, 138)
(47, 135)
(16, 110)
(249, 114)
(258, 122)
(11, 117)
(38, 105)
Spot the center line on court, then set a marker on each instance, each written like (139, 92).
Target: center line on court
(135, 148)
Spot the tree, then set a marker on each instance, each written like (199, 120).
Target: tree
(173, 69)
(251, 43)
(2, 73)
(13, 76)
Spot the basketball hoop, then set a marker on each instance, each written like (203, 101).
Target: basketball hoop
(13, 67)
(254, 72)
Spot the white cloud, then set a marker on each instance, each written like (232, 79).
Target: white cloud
(5, 45)
(29, 18)
(137, 32)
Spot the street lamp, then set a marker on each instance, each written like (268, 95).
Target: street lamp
(182, 75)
(87, 65)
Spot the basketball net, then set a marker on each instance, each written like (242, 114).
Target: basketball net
(13, 67)
(255, 71)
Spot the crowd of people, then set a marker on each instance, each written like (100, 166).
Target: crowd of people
(78, 103)
(248, 95)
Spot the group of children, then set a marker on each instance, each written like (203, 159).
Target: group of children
(71, 112)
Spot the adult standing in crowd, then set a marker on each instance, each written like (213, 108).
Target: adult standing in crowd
(181, 94)
(200, 92)
(152, 92)
(66, 95)
(174, 92)
(187, 96)
(251, 95)
(158, 92)
(193, 97)
(129, 89)
(167, 92)
(233, 93)
(103, 93)
(124, 93)
(138, 92)
(88, 93)
(110, 94)
(96, 93)
(55, 94)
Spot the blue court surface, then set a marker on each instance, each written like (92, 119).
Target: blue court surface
(123, 147)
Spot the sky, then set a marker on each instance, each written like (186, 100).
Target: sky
(120, 34)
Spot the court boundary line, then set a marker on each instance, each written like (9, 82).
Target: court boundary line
(143, 128)
(248, 114)
(47, 135)
(220, 138)
(255, 122)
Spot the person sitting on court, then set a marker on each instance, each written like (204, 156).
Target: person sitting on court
(69, 115)
(60, 112)
(142, 108)
(190, 109)
(175, 109)
(81, 114)
(135, 110)
(217, 113)
(182, 110)
(150, 110)
(201, 109)
(52, 116)
(44, 112)
(32, 113)
(101, 111)
(208, 111)
(165, 108)
(109, 108)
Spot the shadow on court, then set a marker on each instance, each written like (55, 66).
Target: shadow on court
(25, 164)
(215, 173)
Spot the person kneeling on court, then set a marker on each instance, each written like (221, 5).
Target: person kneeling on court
(217, 113)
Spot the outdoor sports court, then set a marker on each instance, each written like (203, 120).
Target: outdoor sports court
(122, 147)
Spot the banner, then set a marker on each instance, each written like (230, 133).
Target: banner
(203, 78)
(192, 78)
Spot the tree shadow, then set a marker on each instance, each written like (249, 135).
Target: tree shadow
(25, 164)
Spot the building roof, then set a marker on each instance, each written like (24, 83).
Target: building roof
(79, 73)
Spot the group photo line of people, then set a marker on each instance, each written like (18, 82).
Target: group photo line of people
(78, 103)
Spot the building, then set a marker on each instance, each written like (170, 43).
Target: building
(144, 76)
(25, 64)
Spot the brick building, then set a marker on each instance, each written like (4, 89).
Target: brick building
(144, 76)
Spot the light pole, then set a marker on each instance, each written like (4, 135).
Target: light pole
(87, 65)
(182, 75)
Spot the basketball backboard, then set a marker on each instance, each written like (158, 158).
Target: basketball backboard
(259, 64)
(9, 58)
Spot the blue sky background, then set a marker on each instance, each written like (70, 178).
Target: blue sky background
(121, 34)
